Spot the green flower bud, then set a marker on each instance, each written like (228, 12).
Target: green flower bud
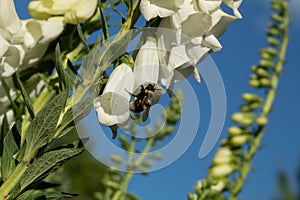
(221, 160)
(239, 140)
(234, 130)
(157, 156)
(262, 72)
(273, 31)
(199, 185)
(116, 159)
(219, 186)
(277, 18)
(277, 6)
(245, 119)
(249, 98)
(223, 170)
(261, 121)
(266, 63)
(265, 82)
(253, 68)
(254, 83)
(192, 196)
(272, 41)
(270, 51)
(147, 164)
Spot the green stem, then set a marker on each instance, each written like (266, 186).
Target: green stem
(135, 164)
(254, 147)
(8, 186)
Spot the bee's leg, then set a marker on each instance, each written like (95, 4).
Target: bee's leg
(130, 93)
(145, 115)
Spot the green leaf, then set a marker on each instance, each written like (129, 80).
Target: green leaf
(90, 64)
(59, 66)
(25, 96)
(104, 25)
(72, 75)
(10, 147)
(43, 125)
(82, 38)
(6, 90)
(39, 195)
(46, 163)
(4, 130)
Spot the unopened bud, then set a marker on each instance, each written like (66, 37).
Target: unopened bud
(239, 140)
(234, 130)
(223, 170)
(261, 121)
(249, 98)
(254, 83)
(272, 41)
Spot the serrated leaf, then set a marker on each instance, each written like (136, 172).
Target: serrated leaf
(34, 195)
(46, 163)
(59, 66)
(82, 38)
(10, 147)
(25, 96)
(43, 125)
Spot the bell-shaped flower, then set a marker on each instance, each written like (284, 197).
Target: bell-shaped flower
(112, 105)
(146, 68)
(161, 8)
(74, 11)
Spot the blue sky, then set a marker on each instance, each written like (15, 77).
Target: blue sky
(281, 148)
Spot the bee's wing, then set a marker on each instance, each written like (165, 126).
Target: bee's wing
(145, 115)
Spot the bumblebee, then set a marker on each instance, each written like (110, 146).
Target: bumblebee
(143, 100)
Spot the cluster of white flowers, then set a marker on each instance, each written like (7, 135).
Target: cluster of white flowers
(24, 42)
(187, 33)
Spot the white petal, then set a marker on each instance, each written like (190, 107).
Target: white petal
(197, 25)
(166, 74)
(37, 10)
(120, 81)
(234, 4)
(146, 66)
(111, 109)
(186, 10)
(212, 42)
(51, 29)
(4, 46)
(196, 53)
(12, 60)
(196, 75)
(208, 5)
(83, 10)
(162, 8)
(220, 21)
(9, 19)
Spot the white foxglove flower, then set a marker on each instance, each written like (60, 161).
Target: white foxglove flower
(23, 42)
(146, 68)
(74, 11)
(161, 8)
(112, 105)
